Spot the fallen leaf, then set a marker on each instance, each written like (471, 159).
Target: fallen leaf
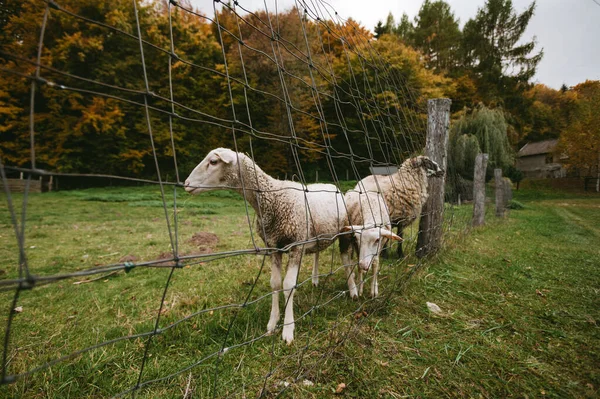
(308, 383)
(340, 388)
(540, 293)
(18, 309)
(433, 308)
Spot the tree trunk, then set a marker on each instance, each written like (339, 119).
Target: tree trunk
(432, 214)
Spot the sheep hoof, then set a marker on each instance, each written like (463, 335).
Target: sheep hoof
(288, 334)
(271, 327)
(315, 282)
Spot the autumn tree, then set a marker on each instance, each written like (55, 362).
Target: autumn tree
(549, 112)
(74, 126)
(580, 140)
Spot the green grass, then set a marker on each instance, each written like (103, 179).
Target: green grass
(519, 300)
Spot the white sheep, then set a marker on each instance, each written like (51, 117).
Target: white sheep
(287, 213)
(371, 225)
(405, 191)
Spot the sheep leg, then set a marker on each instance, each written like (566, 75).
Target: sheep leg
(315, 271)
(361, 283)
(349, 268)
(384, 252)
(289, 286)
(374, 283)
(276, 287)
(400, 252)
(346, 253)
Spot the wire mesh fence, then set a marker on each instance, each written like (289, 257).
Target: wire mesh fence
(139, 93)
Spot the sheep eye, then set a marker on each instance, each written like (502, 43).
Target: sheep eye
(213, 161)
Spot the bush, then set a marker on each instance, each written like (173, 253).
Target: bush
(516, 205)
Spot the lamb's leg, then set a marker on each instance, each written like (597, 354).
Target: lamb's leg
(400, 252)
(346, 253)
(360, 277)
(350, 276)
(374, 283)
(315, 272)
(276, 287)
(289, 286)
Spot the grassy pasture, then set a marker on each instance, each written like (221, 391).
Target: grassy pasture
(519, 301)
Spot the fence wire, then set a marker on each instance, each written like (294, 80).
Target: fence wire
(326, 75)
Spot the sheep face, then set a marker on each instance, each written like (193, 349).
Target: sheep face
(213, 172)
(431, 167)
(370, 241)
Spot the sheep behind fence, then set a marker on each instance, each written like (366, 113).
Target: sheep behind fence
(296, 91)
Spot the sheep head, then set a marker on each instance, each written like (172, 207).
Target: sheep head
(430, 167)
(213, 172)
(370, 242)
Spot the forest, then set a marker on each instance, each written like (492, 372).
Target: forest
(333, 90)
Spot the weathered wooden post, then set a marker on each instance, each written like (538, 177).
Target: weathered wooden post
(317, 177)
(436, 148)
(499, 185)
(479, 190)
(508, 194)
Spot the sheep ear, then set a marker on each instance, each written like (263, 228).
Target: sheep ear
(388, 234)
(228, 157)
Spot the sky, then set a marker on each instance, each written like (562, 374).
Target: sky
(567, 30)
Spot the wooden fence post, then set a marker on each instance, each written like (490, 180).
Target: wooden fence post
(432, 215)
(479, 190)
(500, 207)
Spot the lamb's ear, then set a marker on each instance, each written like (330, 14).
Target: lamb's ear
(388, 234)
(227, 156)
(355, 228)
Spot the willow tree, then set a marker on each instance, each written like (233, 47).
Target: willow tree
(484, 130)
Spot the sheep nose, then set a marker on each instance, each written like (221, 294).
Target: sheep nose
(187, 186)
(364, 265)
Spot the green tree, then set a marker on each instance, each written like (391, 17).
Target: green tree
(387, 28)
(484, 130)
(494, 52)
(437, 35)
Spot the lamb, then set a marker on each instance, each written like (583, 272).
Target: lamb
(287, 213)
(405, 191)
(369, 210)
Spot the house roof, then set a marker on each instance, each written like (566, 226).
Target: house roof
(541, 147)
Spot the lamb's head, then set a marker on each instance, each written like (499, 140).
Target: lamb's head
(431, 168)
(215, 171)
(370, 242)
